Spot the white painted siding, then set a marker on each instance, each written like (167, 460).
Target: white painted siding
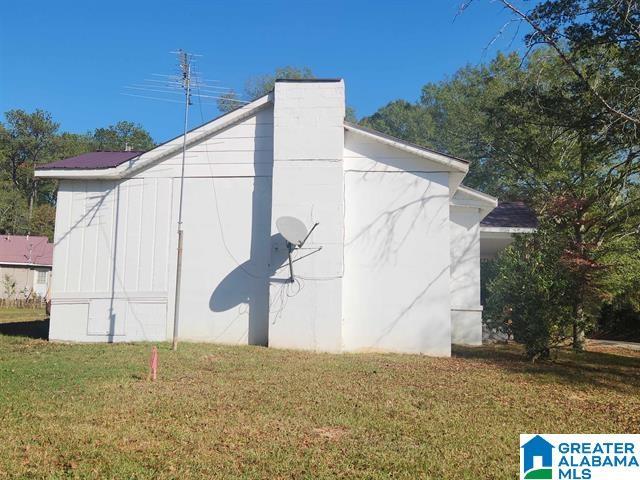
(102, 223)
(390, 267)
(396, 276)
(245, 149)
(466, 311)
(308, 184)
(111, 248)
(225, 281)
(115, 241)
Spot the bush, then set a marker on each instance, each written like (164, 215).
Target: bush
(527, 296)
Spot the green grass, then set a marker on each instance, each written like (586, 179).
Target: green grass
(10, 314)
(88, 411)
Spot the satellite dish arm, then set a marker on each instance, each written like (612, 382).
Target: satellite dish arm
(290, 248)
(308, 234)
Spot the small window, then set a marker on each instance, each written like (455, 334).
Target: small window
(42, 277)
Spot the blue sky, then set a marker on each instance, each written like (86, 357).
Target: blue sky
(75, 58)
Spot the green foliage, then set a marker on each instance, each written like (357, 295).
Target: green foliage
(530, 293)
(13, 210)
(404, 120)
(121, 136)
(9, 285)
(599, 40)
(260, 85)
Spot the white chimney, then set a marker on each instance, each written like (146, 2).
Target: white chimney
(308, 183)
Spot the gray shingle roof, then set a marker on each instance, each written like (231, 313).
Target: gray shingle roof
(511, 214)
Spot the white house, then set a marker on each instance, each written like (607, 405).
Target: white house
(394, 264)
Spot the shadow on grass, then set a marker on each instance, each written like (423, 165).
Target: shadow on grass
(592, 368)
(33, 329)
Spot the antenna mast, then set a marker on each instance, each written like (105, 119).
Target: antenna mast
(185, 66)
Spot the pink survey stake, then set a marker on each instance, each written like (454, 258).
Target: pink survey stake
(153, 363)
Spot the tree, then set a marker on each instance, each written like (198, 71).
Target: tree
(528, 293)
(580, 174)
(453, 116)
(122, 136)
(13, 210)
(600, 37)
(260, 85)
(405, 120)
(28, 140)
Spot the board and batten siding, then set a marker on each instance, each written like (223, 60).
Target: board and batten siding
(241, 150)
(111, 259)
(115, 241)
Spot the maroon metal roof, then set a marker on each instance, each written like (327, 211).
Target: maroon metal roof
(91, 161)
(26, 250)
(511, 214)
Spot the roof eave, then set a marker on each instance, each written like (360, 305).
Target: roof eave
(513, 229)
(483, 202)
(25, 264)
(452, 163)
(80, 173)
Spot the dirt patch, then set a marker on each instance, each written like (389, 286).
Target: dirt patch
(331, 433)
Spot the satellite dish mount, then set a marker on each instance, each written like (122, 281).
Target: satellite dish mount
(295, 233)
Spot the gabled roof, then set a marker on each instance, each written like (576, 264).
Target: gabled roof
(25, 250)
(91, 160)
(123, 164)
(510, 215)
(468, 197)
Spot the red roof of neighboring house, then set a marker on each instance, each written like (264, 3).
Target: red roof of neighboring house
(91, 160)
(26, 250)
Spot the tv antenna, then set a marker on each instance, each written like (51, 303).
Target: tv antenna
(188, 83)
(295, 233)
(185, 59)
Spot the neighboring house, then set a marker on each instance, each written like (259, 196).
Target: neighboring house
(394, 264)
(25, 266)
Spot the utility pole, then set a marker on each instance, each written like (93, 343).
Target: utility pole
(185, 66)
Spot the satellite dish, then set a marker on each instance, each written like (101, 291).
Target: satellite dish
(293, 230)
(295, 233)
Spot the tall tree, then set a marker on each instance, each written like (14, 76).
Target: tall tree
(599, 43)
(260, 85)
(122, 136)
(29, 140)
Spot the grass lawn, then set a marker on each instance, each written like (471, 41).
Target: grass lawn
(88, 411)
